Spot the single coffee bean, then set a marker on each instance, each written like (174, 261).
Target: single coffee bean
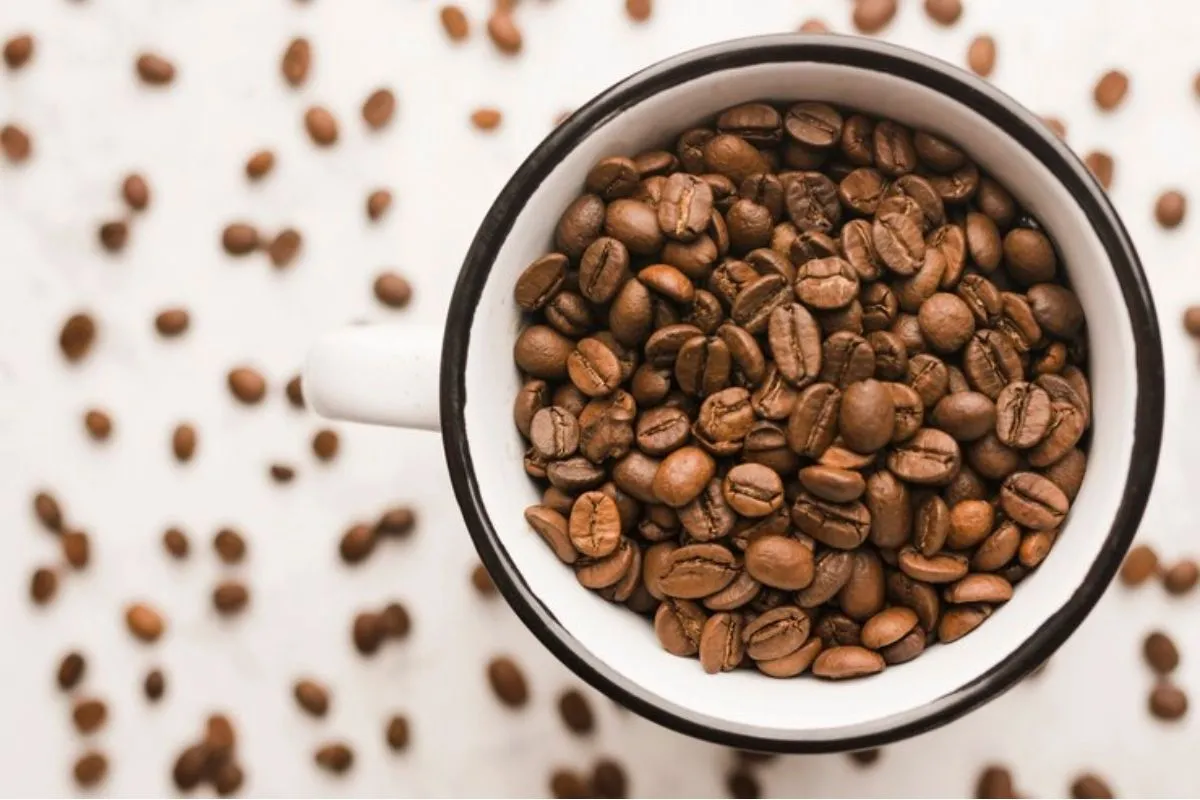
(1169, 209)
(144, 622)
(721, 648)
(753, 490)
(154, 685)
(866, 417)
(378, 108)
(776, 633)
(297, 60)
(957, 622)
(995, 782)
(1180, 578)
(697, 570)
(792, 664)
(357, 543)
(554, 432)
(1034, 547)
(931, 525)
(841, 525)
(48, 511)
(230, 597)
(872, 16)
(981, 55)
(888, 627)
(1110, 89)
(863, 594)
(979, 588)
(966, 416)
(507, 680)
(172, 322)
(1140, 564)
(393, 290)
(70, 671)
(90, 769)
(826, 283)
(930, 457)
(991, 362)
(76, 548)
(396, 733)
(780, 562)
(812, 424)
(678, 625)
(136, 192)
(175, 542)
(833, 484)
(838, 663)
(311, 696)
(1033, 501)
(1022, 415)
(1167, 701)
(890, 508)
(89, 715)
(454, 22)
(321, 125)
(229, 546)
(595, 525)
(1160, 653)
(98, 424)
(1090, 785)
(334, 757)
(553, 527)
(154, 69)
(77, 336)
(18, 50)
(17, 147)
(940, 568)
(543, 352)
(259, 164)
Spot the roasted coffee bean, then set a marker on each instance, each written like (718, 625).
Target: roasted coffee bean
(957, 622)
(995, 782)
(230, 597)
(576, 712)
(595, 525)
(1033, 501)
(1089, 785)
(863, 594)
(697, 570)
(890, 508)
(833, 484)
(612, 177)
(721, 647)
(507, 680)
(553, 527)
(334, 757)
(888, 627)
(931, 525)
(580, 225)
(998, 549)
(1034, 547)
(966, 416)
(940, 568)
(541, 280)
(1169, 209)
(753, 490)
(683, 475)
(811, 200)
(1167, 701)
(981, 55)
(70, 671)
(1140, 564)
(826, 283)
(1022, 415)
(847, 661)
(930, 457)
(678, 625)
(780, 562)
(776, 633)
(144, 622)
(685, 207)
(866, 417)
(1181, 577)
(1160, 653)
(321, 125)
(845, 359)
(154, 685)
(607, 571)
(979, 588)
(76, 547)
(311, 696)
(841, 525)
(812, 424)
(1110, 89)
(154, 69)
(635, 473)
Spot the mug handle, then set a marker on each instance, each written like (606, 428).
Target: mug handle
(379, 374)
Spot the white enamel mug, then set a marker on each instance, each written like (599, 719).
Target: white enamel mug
(461, 381)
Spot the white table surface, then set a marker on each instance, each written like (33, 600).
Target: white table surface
(92, 122)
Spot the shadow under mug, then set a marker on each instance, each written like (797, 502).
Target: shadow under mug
(391, 375)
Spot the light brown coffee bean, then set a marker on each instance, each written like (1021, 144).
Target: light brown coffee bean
(682, 476)
(1181, 577)
(863, 594)
(76, 547)
(503, 31)
(866, 417)
(793, 663)
(780, 562)
(1170, 208)
(678, 625)
(553, 528)
(776, 633)
(940, 568)
(888, 627)
(931, 525)
(259, 164)
(1140, 564)
(595, 525)
(296, 62)
(979, 588)
(753, 490)
(89, 715)
(154, 69)
(486, 119)
(944, 12)
(311, 696)
(321, 125)
(872, 16)
(284, 248)
(378, 108)
(833, 484)
(1110, 90)
(838, 663)
(1160, 653)
(334, 757)
(1033, 501)
(454, 22)
(239, 238)
(144, 622)
(90, 769)
(98, 424)
(136, 192)
(981, 55)
(889, 503)
(172, 322)
(721, 648)
(957, 622)
(1167, 701)
(77, 336)
(697, 570)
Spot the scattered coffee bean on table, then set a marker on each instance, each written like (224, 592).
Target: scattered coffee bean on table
(378, 108)
(239, 238)
(294, 392)
(392, 290)
(486, 119)
(378, 203)
(230, 597)
(398, 521)
(335, 757)
(77, 336)
(1090, 785)
(981, 55)
(230, 546)
(48, 511)
(321, 126)
(865, 758)
(89, 715)
(70, 670)
(15, 143)
(995, 782)
(609, 779)
(136, 192)
(154, 685)
(367, 632)
(284, 248)
(1168, 701)
(260, 164)
(144, 622)
(1170, 208)
(155, 70)
(508, 682)
(779, 376)
(503, 31)
(454, 22)
(297, 59)
(1110, 90)
(43, 585)
(247, 385)
(576, 712)
(639, 10)
(482, 581)
(172, 322)
(183, 442)
(395, 621)
(357, 543)
(872, 16)
(76, 547)
(113, 235)
(98, 424)
(90, 769)
(1180, 578)
(1102, 167)
(1160, 653)
(1191, 321)
(325, 444)
(175, 542)
(396, 733)
(944, 12)
(567, 783)
(1140, 564)
(18, 50)
(741, 783)
(312, 697)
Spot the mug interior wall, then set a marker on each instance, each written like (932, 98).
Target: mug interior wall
(622, 645)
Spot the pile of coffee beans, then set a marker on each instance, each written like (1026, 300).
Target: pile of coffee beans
(806, 386)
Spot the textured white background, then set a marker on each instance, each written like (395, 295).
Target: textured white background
(92, 122)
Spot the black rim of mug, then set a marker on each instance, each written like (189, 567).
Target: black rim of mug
(872, 55)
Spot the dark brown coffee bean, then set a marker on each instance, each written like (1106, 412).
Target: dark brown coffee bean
(183, 441)
(678, 625)
(1022, 415)
(1029, 256)
(733, 157)
(595, 525)
(239, 238)
(334, 757)
(43, 585)
(697, 570)
(780, 562)
(1033, 501)
(724, 419)
(957, 622)
(814, 124)
(98, 424)
(634, 224)
(76, 337)
(1140, 564)
(991, 362)
(1167, 701)
(1160, 653)
(1181, 577)
(311, 696)
(48, 511)
(966, 415)
(357, 543)
(899, 243)
(154, 685)
(866, 417)
(297, 59)
(685, 207)
(580, 225)
(709, 516)
(890, 508)
(930, 457)
(70, 671)
(144, 622)
(90, 769)
(283, 249)
(862, 190)
(229, 546)
(995, 782)
(507, 680)
(76, 548)
(863, 594)
(755, 303)
(230, 597)
(154, 70)
(175, 542)
(832, 571)
(18, 50)
(833, 484)
(838, 663)
(1056, 309)
(1090, 785)
(393, 290)
(826, 283)
(89, 715)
